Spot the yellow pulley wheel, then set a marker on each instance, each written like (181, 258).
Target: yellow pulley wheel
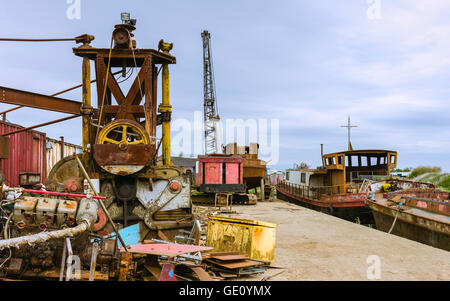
(123, 133)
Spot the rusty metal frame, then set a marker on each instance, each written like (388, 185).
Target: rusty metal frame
(39, 101)
(129, 105)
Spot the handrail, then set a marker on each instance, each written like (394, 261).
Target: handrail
(417, 198)
(431, 205)
(314, 192)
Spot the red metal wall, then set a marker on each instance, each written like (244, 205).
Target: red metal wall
(210, 169)
(26, 153)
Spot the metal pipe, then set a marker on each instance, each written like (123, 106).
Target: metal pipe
(100, 201)
(35, 40)
(166, 109)
(86, 108)
(64, 194)
(5, 229)
(10, 110)
(321, 155)
(62, 146)
(55, 94)
(45, 236)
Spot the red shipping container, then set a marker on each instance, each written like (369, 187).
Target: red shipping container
(220, 173)
(26, 153)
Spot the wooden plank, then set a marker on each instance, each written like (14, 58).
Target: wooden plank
(396, 198)
(210, 254)
(155, 271)
(235, 265)
(162, 235)
(229, 257)
(201, 274)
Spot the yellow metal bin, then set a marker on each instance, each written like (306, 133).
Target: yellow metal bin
(254, 238)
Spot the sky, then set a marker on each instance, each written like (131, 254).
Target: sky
(307, 64)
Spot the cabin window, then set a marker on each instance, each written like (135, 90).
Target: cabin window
(363, 161)
(392, 159)
(303, 177)
(330, 161)
(373, 161)
(383, 160)
(340, 160)
(355, 161)
(334, 160)
(287, 175)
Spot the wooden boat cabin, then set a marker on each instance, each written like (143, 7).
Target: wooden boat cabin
(342, 171)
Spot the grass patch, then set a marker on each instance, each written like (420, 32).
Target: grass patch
(424, 169)
(444, 184)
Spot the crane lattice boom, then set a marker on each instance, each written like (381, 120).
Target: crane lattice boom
(210, 113)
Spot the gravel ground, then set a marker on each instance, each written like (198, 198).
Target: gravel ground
(316, 246)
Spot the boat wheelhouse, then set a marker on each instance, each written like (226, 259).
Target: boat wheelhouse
(335, 188)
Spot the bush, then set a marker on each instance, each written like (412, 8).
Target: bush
(445, 184)
(408, 169)
(423, 169)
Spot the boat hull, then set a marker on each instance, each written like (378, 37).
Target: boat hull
(411, 226)
(350, 207)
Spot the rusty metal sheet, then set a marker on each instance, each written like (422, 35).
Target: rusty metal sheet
(110, 154)
(229, 257)
(412, 223)
(236, 264)
(169, 250)
(4, 147)
(27, 153)
(57, 150)
(201, 274)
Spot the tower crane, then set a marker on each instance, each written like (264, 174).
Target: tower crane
(210, 113)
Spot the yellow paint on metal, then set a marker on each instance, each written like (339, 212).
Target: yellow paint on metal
(165, 107)
(254, 238)
(86, 108)
(123, 141)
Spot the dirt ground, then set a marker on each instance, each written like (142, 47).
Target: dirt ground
(316, 246)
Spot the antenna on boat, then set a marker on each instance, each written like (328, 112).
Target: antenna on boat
(349, 126)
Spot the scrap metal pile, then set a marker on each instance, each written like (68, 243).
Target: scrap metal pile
(36, 231)
(119, 162)
(117, 211)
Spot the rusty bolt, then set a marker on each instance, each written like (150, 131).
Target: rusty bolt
(174, 186)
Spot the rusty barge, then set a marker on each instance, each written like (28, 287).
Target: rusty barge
(419, 214)
(336, 187)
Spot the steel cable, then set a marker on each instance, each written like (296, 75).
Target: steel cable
(35, 40)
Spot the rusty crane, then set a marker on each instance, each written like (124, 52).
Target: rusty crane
(119, 141)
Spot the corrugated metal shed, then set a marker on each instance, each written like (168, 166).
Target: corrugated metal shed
(53, 153)
(26, 153)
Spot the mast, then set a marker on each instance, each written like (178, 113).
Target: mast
(349, 126)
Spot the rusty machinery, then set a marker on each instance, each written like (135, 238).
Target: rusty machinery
(119, 142)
